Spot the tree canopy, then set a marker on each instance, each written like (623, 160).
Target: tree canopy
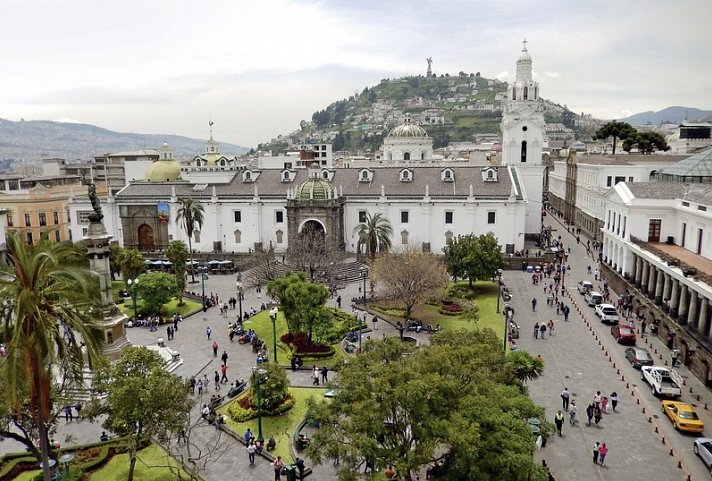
(300, 300)
(409, 276)
(474, 257)
(647, 142)
(177, 253)
(456, 400)
(143, 399)
(615, 129)
(156, 288)
(130, 263)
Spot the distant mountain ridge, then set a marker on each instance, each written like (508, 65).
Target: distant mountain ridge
(34, 140)
(674, 115)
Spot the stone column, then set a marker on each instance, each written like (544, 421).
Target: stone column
(633, 268)
(660, 282)
(682, 306)
(644, 280)
(703, 323)
(692, 311)
(666, 291)
(638, 271)
(654, 273)
(674, 297)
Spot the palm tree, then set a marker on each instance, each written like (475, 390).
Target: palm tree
(375, 233)
(190, 215)
(130, 263)
(49, 290)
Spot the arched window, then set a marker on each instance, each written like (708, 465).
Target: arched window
(280, 236)
(526, 93)
(406, 156)
(364, 175)
(524, 151)
(490, 174)
(404, 237)
(325, 174)
(248, 176)
(238, 236)
(222, 162)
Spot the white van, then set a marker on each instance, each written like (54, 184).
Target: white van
(593, 298)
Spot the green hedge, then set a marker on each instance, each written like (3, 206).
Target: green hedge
(240, 415)
(10, 464)
(317, 355)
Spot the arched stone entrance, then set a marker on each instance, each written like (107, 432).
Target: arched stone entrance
(312, 226)
(145, 238)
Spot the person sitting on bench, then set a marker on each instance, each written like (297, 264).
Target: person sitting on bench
(271, 443)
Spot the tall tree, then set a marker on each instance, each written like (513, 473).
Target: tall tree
(615, 129)
(191, 215)
(301, 301)
(311, 252)
(375, 234)
(157, 288)
(474, 257)
(130, 263)
(177, 253)
(49, 292)
(115, 250)
(143, 400)
(449, 401)
(410, 276)
(647, 142)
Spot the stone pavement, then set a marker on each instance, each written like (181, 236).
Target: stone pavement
(583, 356)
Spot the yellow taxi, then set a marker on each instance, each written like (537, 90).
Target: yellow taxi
(683, 416)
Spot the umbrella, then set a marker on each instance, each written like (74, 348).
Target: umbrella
(214, 262)
(192, 262)
(225, 262)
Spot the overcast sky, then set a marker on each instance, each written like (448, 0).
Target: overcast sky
(258, 67)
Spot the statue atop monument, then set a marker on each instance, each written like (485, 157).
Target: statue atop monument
(429, 73)
(97, 215)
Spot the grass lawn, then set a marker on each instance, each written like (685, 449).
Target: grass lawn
(281, 427)
(127, 306)
(117, 467)
(486, 300)
(262, 325)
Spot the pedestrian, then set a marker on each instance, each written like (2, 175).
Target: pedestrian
(602, 452)
(324, 374)
(572, 412)
(597, 399)
(68, 416)
(536, 330)
(168, 333)
(375, 323)
(534, 304)
(215, 348)
(597, 415)
(565, 399)
(200, 386)
(208, 332)
(559, 421)
(192, 384)
(675, 355)
(251, 448)
(277, 464)
(217, 381)
(78, 407)
(614, 400)
(223, 370)
(224, 357)
(596, 448)
(315, 376)
(542, 330)
(589, 413)
(551, 327)
(300, 467)
(642, 329)
(604, 404)
(338, 302)
(206, 382)
(176, 319)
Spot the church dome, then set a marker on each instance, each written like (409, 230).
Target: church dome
(407, 129)
(314, 188)
(165, 169)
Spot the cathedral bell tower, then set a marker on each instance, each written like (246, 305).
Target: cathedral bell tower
(523, 138)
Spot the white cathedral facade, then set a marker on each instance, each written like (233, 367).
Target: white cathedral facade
(249, 209)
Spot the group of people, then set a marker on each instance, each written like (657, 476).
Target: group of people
(541, 329)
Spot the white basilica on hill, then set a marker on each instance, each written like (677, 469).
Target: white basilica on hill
(248, 209)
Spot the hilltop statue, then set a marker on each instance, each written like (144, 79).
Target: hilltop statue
(430, 64)
(97, 215)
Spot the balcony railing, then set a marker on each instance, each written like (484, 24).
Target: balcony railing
(673, 261)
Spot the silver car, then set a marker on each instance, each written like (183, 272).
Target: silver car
(703, 448)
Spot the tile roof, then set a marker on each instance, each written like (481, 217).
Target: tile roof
(629, 159)
(346, 181)
(699, 193)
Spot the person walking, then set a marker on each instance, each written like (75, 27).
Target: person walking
(299, 463)
(224, 357)
(251, 448)
(192, 384)
(215, 348)
(614, 400)
(217, 381)
(536, 331)
(602, 453)
(559, 421)
(534, 304)
(596, 450)
(572, 412)
(375, 323)
(589, 413)
(542, 330)
(565, 395)
(278, 464)
(200, 387)
(597, 415)
(675, 355)
(223, 371)
(208, 332)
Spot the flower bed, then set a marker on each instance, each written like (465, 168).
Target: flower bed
(241, 410)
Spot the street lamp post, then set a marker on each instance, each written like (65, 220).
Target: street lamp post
(258, 377)
(273, 317)
(202, 280)
(239, 298)
(133, 285)
(499, 287)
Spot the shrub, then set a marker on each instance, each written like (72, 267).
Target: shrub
(240, 410)
(462, 291)
(451, 308)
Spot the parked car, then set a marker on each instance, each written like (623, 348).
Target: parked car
(584, 287)
(683, 416)
(639, 357)
(662, 380)
(593, 298)
(607, 313)
(703, 448)
(623, 334)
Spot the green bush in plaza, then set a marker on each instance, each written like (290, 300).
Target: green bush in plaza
(274, 395)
